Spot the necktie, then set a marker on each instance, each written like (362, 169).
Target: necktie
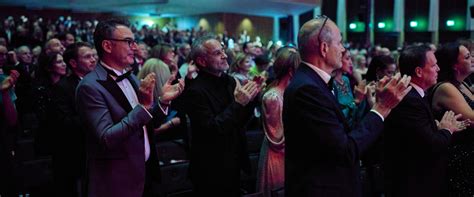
(331, 85)
(118, 78)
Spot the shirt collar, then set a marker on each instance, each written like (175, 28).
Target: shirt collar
(325, 76)
(113, 69)
(418, 89)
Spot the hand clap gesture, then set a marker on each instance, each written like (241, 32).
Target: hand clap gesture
(244, 94)
(10, 81)
(170, 91)
(360, 91)
(145, 95)
(451, 123)
(389, 92)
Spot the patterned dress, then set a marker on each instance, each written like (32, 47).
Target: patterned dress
(271, 167)
(461, 157)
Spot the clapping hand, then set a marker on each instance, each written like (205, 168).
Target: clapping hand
(370, 94)
(389, 92)
(192, 70)
(170, 91)
(360, 91)
(10, 81)
(244, 94)
(451, 123)
(145, 95)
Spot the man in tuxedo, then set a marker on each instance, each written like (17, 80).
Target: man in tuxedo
(117, 109)
(69, 163)
(218, 108)
(415, 147)
(322, 151)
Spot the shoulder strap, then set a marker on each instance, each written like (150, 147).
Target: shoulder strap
(431, 92)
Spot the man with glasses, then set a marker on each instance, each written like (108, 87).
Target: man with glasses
(314, 124)
(117, 111)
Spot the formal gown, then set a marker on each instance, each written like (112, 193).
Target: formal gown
(461, 158)
(271, 167)
(344, 96)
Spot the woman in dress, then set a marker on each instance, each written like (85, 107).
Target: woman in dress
(271, 168)
(452, 93)
(50, 70)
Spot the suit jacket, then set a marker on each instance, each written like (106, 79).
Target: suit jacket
(322, 152)
(69, 133)
(415, 150)
(218, 142)
(114, 137)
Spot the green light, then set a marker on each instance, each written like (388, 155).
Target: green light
(413, 24)
(381, 25)
(356, 26)
(450, 23)
(352, 26)
(148, 22)
(455, 23)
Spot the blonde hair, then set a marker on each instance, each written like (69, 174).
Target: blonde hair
(239, 59)
(162, 72)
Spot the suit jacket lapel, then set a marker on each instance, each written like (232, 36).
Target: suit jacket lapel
(426, 103)
(319, 82)
(112, 87)
(133, 81)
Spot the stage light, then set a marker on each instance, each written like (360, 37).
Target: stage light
(352, 26)
(413, 24)
(450, 23)
(381, 25)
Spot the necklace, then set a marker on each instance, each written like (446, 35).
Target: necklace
(343, 89)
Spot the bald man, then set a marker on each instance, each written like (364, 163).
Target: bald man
(314, 124)
(54, 46)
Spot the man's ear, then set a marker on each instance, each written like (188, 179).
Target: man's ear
(73, 63)
(201, 61)
(418, 71)
(323, 48)
(107, 46)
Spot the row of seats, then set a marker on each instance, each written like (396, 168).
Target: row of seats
(34, 172)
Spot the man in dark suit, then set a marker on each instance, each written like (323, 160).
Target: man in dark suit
(69, 163)
(322, 152)
(24, 87)
(116, 110)
(415, 147)
(218, 108)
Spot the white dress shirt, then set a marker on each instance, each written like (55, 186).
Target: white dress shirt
(132, 98)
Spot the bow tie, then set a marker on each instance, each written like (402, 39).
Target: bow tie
(118, 78)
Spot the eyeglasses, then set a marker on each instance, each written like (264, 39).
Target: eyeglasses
(321, 29)
(131, 42)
